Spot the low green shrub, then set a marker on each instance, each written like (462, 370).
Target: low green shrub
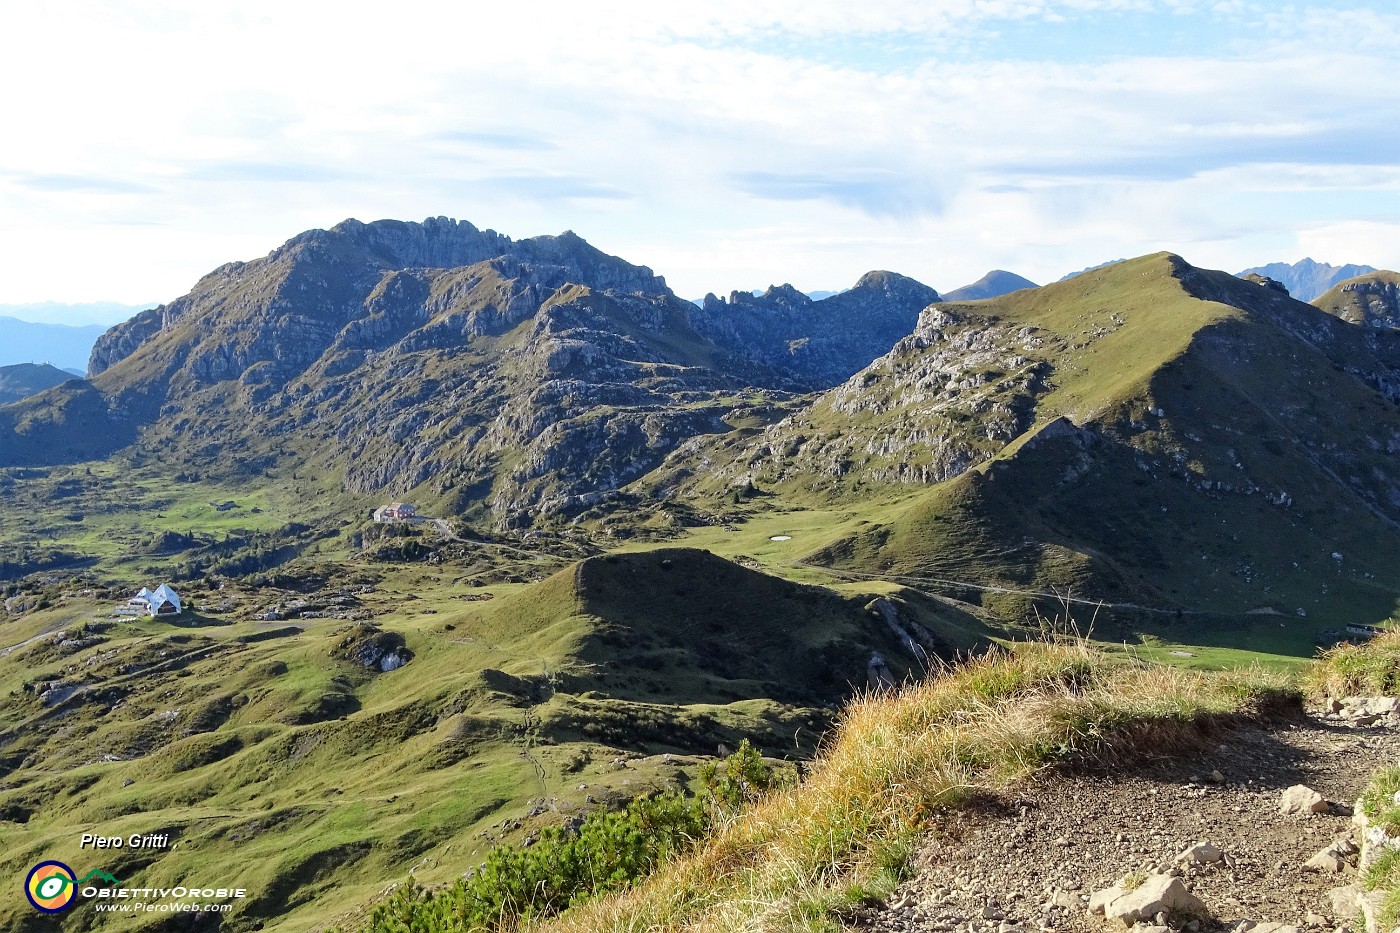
(609, 850)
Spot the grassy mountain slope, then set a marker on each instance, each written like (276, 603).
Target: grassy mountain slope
(905, 765)
(278, 760)
(1201, 444)
(967, 382)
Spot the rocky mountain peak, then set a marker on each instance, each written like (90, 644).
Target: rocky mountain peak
(1308, 279)
(892, 283)
(822, 342)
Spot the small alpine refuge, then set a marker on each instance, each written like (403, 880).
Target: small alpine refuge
(163, 601)
(396, 512)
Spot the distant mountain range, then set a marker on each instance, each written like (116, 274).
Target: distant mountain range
(514, 378)
(62, 345)
(526, 383)
(1306, 279)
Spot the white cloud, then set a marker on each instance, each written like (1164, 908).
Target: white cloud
(722, 143)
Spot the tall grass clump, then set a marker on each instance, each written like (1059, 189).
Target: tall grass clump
(1379, 803)
(1371, 668)
(796, 859)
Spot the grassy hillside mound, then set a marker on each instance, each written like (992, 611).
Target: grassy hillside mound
(68, 423)
(21, 380)
(683, 625)
(1220, 450)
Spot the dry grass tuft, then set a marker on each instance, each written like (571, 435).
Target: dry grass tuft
(1371, 668)
(798, 858)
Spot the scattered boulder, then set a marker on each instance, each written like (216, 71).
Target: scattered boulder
(1157, 894)
(1334, 858)
(1302, 799)
(19, 605)
(1202, 853)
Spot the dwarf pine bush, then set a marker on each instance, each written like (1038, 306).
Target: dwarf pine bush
(607, 852)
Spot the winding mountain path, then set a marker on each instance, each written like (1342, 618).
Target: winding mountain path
(1030, 860)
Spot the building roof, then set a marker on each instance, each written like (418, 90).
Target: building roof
(164, 594)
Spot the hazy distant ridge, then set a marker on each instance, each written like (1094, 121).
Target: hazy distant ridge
(59, 344)
(1307, 279)
(994, 284)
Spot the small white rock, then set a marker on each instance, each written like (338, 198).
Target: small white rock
(1200, 854)
(1302, 799)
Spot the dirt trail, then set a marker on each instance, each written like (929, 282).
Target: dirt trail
(999, 865)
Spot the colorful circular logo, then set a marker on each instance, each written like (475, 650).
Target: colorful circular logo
(51, 887)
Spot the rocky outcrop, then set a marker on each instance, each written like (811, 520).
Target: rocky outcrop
(374, 649)
(820, 342)
(1371, 300)
(945, 398)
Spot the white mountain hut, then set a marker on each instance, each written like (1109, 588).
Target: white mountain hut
(163, 602)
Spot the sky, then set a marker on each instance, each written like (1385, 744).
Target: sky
(725, 144)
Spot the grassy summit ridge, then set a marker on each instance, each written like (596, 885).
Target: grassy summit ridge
(1200, 444)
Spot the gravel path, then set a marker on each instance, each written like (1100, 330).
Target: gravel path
(1029, 860)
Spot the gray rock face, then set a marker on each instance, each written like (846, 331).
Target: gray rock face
(823, 342)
